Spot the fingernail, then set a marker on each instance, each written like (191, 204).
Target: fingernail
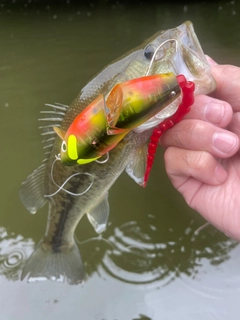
(214, 112)
(224, 142)
(210, 60)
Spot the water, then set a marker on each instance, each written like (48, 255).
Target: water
(152, 265)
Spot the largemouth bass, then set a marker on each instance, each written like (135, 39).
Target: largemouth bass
(72, 191)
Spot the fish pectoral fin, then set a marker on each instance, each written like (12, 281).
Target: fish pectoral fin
(32, 190)
(98, 216)
(137, 165)
(114, 131)
(46, 264)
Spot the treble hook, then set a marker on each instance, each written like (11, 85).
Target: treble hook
(105, 160)
(62, 186)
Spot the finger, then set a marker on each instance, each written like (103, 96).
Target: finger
(228, 84)
(202, 136)
(211, 61)
(212, 110)
(235, 124)
(182, 164)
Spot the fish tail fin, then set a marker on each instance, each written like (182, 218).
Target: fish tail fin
(63, 265)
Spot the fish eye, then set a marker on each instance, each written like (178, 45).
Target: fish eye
(64, 146)
(149, 52)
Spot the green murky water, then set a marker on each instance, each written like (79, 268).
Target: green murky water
(153, 265)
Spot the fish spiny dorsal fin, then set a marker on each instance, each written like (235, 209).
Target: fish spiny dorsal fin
(52, 119)
(32, 189)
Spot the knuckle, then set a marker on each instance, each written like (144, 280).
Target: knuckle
(173, 137)
(195, 129)
(197, 160)
(187, 132)
(184, 134)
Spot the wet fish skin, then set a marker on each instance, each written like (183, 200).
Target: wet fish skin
(56, 256)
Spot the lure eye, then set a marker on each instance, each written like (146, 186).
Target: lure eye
(173, 94)
(64, 146)
(149, 51)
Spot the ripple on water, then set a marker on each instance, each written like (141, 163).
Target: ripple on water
(14, 259)
(137, 256)
(14, 250)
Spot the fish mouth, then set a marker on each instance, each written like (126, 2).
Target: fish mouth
(190, 60)
(179, 51)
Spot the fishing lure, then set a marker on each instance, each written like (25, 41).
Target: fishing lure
(107, 120)
(187, 100)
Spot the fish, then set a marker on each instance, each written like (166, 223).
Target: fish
(73, 191)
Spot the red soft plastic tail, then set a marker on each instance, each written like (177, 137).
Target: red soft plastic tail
(184, 107)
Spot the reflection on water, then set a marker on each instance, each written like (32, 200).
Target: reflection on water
(132, 254)
(142, 317)
(138, 259)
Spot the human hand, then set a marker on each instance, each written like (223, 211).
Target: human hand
(202, 153)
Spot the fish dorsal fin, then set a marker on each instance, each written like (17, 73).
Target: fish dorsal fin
(32, 190)
(52, 118)
(137, 165)
(98, 216)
